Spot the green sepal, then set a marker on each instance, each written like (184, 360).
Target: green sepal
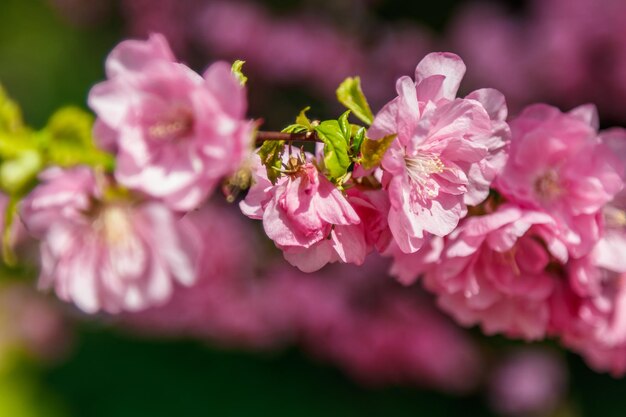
(238, 73)
(271, 153)
(336, 159)
(372, 151)
(351, 95)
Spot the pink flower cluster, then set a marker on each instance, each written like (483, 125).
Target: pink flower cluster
(446, 152)
(544, 255)
(118, 242)
(517, 226)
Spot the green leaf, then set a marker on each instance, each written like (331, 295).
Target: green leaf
(372, 151)
(10, 114)
(13, 144)
(237, 71)
(303, 120)
(67, 140)
(358, 140)
(351, 95)
(295, 128)
(336, 157)
(71, 125)
(344, 125)
(17, 174)
(271, 153)
(69, 155)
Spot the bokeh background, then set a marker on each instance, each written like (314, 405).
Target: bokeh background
(267, 340)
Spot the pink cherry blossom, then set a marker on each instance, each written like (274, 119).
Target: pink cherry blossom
(232, 303)
(30, 320)
(528, 382)
(593, 324)
(558, 164)
(372, 207)
(589, 314)
(306, 216)
(493, 271)
(447, 151)
(104, 252)
(177, 134)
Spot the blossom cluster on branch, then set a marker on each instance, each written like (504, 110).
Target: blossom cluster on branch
(515, 224)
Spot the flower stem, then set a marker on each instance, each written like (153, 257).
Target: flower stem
(263, 136)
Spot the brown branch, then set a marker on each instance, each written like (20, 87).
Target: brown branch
(263, 136)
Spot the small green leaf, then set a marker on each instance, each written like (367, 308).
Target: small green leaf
(69, 155)
(17, 174)
(237, 71)
(67, 140)
(10, 114)
(372, 151)
(344, 124)
(271, 153)
(351, 95)
(303, 120)
(295, 128)
(71, 125)
(358, 140)
(336, 157)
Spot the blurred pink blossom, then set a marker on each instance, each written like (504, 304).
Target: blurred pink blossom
(31, 321)
(103, 252)
(231, 304)
(492, 271)
(177, 134)
(558, 164)
(560, 51)
(528, 382)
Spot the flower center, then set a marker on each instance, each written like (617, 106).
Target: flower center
(175, 125)
(547, 186)
(420, 168)
(114, 225)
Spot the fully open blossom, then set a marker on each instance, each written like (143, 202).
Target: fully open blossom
(306, 216)
(104, 252)
(447, 150)
(493, 271)
(558, 164)
(176, 133)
